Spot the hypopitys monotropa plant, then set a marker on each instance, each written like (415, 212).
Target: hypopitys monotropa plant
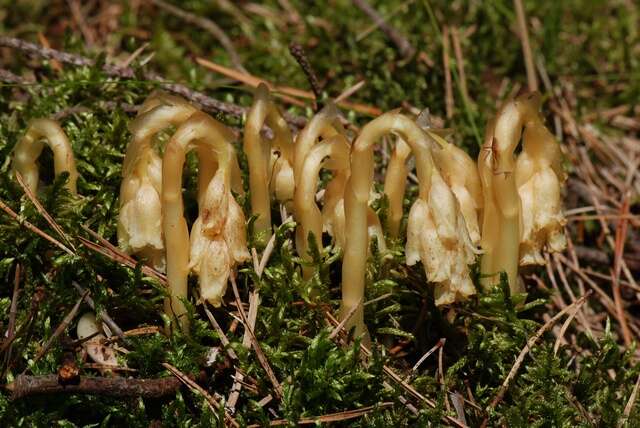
(333, 154)
(509, 186)
(270, 160)
(436, 232)
(140, 220)
(218, 237)
(29, 148)
(539, 177)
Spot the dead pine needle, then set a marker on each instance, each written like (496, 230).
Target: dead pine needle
(527, 348)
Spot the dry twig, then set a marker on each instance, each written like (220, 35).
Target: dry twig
(25, 386)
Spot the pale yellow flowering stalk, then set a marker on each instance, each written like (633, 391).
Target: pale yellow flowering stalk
(502, 211)
(308, 215)
(323, 125)
(395, 183)
(356, 198)
(29, 148)
(539, 177)
(270, 162)
(218, 240)
(332, 153)
(140, 220)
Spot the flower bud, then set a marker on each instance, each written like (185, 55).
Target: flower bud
(140, 221)
(283, 184)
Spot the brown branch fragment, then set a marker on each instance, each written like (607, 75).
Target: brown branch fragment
(207, 103)
(25, 386)
(61, 328)
(404, 46)
(331, 417)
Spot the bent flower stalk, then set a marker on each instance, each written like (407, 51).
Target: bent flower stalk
(269, 161)
(218, 237)
(29, 148)
(435, 226)
(140, 220)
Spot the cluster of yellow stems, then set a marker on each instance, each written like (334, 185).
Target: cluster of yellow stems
(506, 207)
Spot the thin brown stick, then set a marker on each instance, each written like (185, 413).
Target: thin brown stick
(211, 401)
(621, 235)
(532, 79)
(207, 103)
(284, 92)
(457, 51)
(60, 329)
(404, 46)
(527, 348)
(448, 87)
(331, 417)
(25, 386)
(34, 200)
(207, 25)
(8, 77)
(262, 359)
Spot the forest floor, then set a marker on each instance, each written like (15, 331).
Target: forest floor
(563, 354)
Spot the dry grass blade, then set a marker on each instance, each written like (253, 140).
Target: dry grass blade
(283, 92)
(426, 355)
(211, 401)
(34, 229)
(448, 87)
(218, 329)
(630, 403)
(262, 359)
(54, 225)
(337, 329)
(563, 330)
(527, 348)
(532, 78)
(268, 250)
(331, 417)
(109, 250)
(234, 395)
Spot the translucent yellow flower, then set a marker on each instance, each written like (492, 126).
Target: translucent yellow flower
(437, 236)
(539, 177)
(218, 241)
